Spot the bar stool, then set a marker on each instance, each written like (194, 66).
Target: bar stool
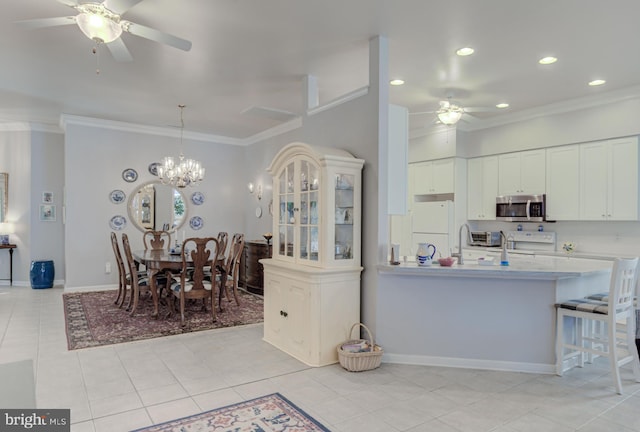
(585, 312)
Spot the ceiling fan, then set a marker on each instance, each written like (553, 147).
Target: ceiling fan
(450, 113)
(102, 22)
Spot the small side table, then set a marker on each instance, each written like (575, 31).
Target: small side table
(11, 247)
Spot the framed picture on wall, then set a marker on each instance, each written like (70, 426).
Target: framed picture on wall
(47, 213)
(47, 197)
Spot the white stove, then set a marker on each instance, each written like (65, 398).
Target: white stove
(533, 240)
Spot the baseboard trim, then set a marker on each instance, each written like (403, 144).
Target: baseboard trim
(538, 368)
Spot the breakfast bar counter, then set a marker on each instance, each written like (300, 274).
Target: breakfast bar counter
(481, 316)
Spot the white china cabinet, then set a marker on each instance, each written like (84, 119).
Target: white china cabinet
(312, 281)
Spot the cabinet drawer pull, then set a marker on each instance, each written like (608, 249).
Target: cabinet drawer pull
(284, 314)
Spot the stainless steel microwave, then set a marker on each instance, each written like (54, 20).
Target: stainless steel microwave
(521, 208)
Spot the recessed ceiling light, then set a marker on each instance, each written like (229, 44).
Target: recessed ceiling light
(396, 82)
(547, 60)
(502, 105)
(597, 82)
(465, 51)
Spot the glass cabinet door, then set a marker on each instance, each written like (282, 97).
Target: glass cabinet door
(309, 220)
(344, 202)
(298, 215)
(286, 216)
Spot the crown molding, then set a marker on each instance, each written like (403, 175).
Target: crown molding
(29, 127)
(274, 131)
(69, 119)
(339, 101)
(562, 107)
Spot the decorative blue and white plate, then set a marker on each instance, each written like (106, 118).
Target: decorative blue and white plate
(153, 168)
(196, 222)
(197, 198)
(130, 175)
(117, 223)
(117, 196)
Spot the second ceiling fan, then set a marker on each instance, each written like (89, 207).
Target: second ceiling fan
(450, 113)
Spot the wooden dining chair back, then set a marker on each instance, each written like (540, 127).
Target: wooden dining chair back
(197, 255)
(156, 240)
(223, 240)
(232, 267)
(138, 279)
(122, 273)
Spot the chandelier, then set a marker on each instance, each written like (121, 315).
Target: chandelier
(183, 172)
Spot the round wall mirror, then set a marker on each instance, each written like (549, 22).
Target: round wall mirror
(155, 206)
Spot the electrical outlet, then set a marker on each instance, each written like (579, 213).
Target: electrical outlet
(107, 267)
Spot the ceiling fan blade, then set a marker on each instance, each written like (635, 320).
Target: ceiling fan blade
(120, 6)
(480, 109)
(70, 3)
(156, 35)
(119, 51)
(422, 113)
(468, 118)
(46, 22)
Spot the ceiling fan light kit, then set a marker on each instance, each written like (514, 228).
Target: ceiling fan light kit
(450, 115)
(98, 23)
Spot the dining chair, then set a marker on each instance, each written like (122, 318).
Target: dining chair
(223, 239)
(231, 267)
(156, 240)
(618, 346)
(123, 282)
(138, 280)
(197, 254)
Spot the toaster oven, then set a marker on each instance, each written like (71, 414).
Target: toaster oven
(485, 238)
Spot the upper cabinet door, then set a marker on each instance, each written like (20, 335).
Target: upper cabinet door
(623, 179)
(522, 173)
(563, 183)
(609, 180)
(482, 188)
(433, 177)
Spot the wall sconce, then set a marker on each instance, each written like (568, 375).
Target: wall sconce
(256, 189)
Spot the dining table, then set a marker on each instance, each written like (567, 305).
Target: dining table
(161, 260)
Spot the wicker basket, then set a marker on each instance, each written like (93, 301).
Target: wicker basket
(360, 361)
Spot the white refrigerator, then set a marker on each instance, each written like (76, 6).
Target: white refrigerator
(432, 222)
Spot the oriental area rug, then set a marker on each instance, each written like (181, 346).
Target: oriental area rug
(92, 319)
(271, 413)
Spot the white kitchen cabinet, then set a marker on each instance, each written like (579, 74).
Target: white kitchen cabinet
(482, 188)
(312, 281)
(609, 180)
(522, 173)
(434, 177)
(563, 183)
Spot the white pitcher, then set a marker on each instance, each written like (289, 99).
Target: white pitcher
(423, 256)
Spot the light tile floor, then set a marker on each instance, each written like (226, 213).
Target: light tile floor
(128, 386)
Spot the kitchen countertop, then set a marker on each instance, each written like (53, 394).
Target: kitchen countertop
(520, 267)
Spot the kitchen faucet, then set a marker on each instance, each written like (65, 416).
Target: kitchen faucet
(459, 254)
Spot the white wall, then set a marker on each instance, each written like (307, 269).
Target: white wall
(15, 159)
(352, 126)
(47, 175)
(94, 160)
